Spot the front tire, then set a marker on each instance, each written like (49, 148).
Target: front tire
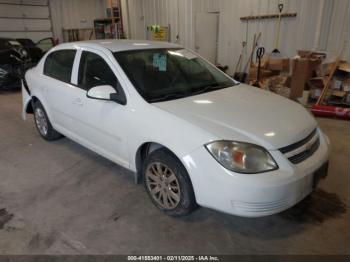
(168, 184)
(43, 123)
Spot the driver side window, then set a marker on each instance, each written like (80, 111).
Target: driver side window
(94, 71)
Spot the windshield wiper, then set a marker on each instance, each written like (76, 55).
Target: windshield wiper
(167, 97)
(205, 89)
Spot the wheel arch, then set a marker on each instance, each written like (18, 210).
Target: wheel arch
(38, 97)
(29, 106)
(143, 151)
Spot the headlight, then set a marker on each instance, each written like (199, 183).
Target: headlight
(242, 157)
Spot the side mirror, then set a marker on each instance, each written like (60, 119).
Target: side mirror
(106, 92)
(101, 92)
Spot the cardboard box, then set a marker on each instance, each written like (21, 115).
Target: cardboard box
(303, 69)
(338, 93)
(279, 64)
(344, 67)
(299, 77)
(253, 72)
(312, 54)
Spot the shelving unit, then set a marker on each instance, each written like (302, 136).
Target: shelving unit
(112, 26)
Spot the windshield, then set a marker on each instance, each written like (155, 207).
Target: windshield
(167, 74)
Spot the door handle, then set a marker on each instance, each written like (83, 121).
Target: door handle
(78, 102)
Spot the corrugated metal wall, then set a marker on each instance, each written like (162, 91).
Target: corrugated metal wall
(339, 28)
(331, 16)
(296, 33)
(77, 14)
(179, 14)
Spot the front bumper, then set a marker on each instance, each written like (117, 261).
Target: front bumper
(253, 195)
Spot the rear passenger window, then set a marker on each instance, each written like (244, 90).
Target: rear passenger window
(59, 65)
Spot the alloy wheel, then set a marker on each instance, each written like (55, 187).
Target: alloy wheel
(41, 121)
(163, 185)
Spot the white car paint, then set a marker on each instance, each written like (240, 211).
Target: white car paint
(184, 126)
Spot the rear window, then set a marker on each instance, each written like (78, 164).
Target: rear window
(59, 65)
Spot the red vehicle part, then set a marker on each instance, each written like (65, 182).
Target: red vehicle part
(331, 111)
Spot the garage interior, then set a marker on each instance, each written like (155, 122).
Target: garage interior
(59, 198)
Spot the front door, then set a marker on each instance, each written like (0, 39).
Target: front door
(206, 35)
(99, 124)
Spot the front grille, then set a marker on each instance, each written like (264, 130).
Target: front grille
(302, 148)
(305, 154)
(298, 144)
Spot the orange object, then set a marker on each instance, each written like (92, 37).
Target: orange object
(331, 111)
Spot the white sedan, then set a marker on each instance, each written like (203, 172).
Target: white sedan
(191, 133)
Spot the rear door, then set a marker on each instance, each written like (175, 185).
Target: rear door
(57, 87)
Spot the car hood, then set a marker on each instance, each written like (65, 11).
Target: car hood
(247, 114)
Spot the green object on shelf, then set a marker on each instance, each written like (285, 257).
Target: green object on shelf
(154, 28)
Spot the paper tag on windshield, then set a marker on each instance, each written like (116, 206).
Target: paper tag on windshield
(159, 61)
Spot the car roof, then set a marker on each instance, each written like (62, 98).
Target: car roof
(116, 45)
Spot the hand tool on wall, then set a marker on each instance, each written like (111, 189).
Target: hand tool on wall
(241, 76)
(277, 36)
(260, 52)
(239, 63)
(255, 42)
(250, 60)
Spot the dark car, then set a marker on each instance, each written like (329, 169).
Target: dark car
(18, 55)
(14, 61)
(37, 50)
(34, 52)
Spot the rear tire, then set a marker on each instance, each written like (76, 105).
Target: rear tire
(43, 124)
(168, 183)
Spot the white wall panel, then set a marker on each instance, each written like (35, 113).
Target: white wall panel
(340, 28)
(296, 33)
(179, 14)
(75, 14)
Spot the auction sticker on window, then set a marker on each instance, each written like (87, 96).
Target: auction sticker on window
(159, 61)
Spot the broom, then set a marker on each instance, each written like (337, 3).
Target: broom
(330, 111)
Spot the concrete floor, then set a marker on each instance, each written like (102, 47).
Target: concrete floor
(59, 198)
